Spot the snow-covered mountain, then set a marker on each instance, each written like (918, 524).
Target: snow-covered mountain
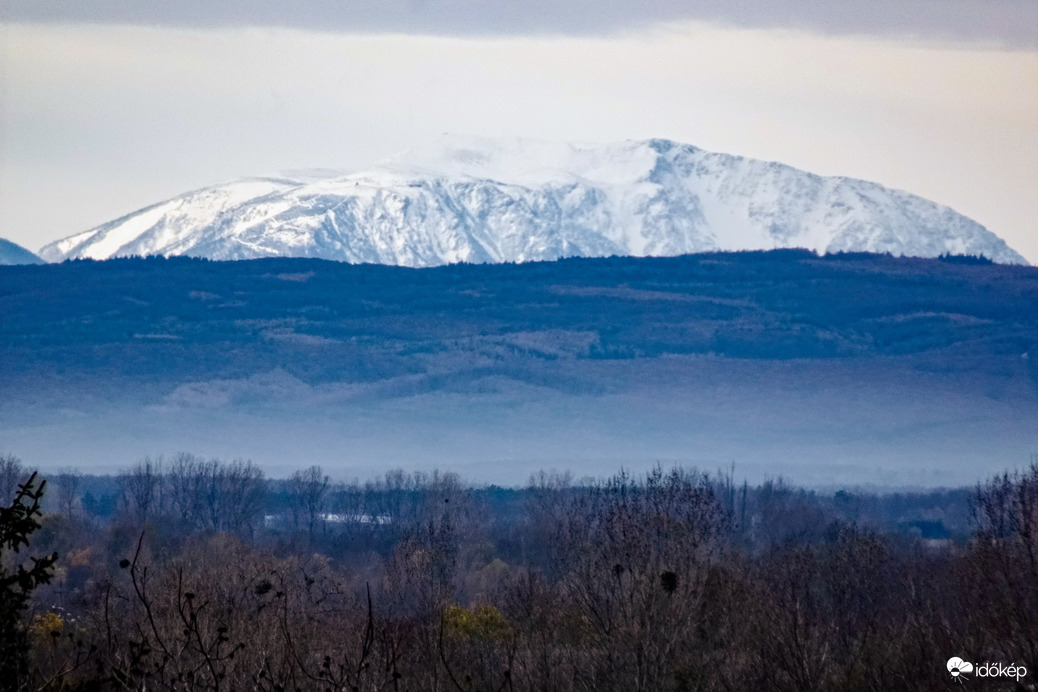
(12, 253)
(467, 200)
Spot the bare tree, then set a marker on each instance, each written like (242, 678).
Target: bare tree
(308, 490)
(1005, 562)
(68, 482)
(229, 496)
(244, 490)
(141, 490)
(641, 553)
(12, 473)
(185, 480)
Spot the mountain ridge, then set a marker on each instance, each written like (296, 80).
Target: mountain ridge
(477, 200)
(12, 253)
(843, 368)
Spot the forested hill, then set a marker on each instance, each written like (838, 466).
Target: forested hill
(140, 316)
(315, 336)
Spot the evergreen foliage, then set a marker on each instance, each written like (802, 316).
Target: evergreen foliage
(17, 522)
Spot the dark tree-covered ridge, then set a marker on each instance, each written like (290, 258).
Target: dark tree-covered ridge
(150, 317)
(860, 361)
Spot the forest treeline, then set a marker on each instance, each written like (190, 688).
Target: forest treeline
(187, 573)
(136, 321)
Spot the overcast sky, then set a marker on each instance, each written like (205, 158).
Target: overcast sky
(106, 106)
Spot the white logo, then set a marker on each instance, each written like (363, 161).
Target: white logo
(959, 668)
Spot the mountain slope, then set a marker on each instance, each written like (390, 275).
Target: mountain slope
(846, 368)
(11, 253)
(516, 200)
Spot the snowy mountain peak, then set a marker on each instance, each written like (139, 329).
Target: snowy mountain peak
(494, 200)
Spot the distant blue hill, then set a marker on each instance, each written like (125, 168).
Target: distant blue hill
(10, 253)
(864, 367)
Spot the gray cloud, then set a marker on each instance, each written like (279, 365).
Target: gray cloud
(1011, 23)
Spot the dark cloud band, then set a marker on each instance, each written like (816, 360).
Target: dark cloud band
(1006, 22)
